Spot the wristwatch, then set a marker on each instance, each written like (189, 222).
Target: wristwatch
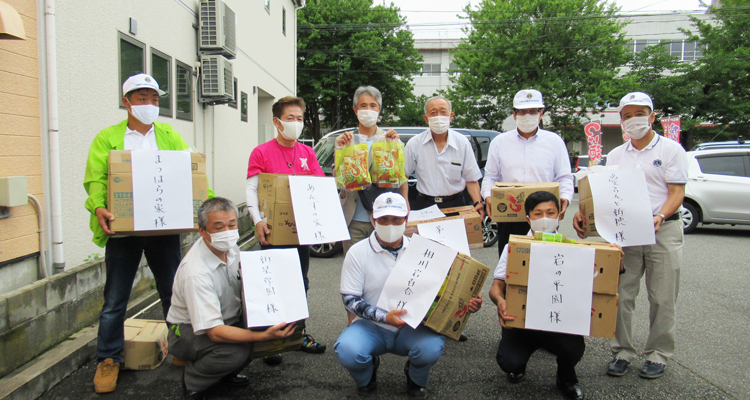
(477, 203)
(663, 218)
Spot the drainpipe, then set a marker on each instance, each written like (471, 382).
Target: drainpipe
(58, 258)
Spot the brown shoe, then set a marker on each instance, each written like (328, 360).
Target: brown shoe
(178, 362)
(105, 380)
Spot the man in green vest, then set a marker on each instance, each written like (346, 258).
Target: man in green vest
(123, 253)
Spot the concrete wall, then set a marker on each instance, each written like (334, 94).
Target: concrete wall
(20, 147)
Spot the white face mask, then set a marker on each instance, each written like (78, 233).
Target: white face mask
(367, 118)
(527, 123)
(636, 127)
(439, 124)
(145, 113)
(390, 233)
(292, 129)
(544, 224)
(224, 240)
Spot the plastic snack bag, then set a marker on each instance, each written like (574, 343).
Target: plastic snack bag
(388, 162)
(352, 171)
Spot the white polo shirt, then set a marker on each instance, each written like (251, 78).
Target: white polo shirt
(502, 264)
(444, 173)
(663, 162)
(540, 158)
(366, 268)
(206, 290)
(135, 140)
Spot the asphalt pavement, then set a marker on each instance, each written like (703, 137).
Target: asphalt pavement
(710, 362)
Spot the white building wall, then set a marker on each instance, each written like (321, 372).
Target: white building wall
(89, 91)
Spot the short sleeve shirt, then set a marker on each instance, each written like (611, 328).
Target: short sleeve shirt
(272, 158)
(663, 161)
(444, 173)
(206, 291)
(501, 269)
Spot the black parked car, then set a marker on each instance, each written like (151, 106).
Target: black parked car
(480, 142)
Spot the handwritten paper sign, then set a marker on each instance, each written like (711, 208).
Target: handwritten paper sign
(424, 214)
(451, 233)
(561, 279)
(317, 210)
(416, 279)
(622, 208)
(162, 190)
(272, 287)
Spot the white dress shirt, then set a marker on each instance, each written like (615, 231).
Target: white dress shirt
(540, 158)
(135, 140)
(206, 290)
(444, 173)
(501, 270)
(663, 162)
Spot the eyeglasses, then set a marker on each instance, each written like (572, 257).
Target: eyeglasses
(528, 111)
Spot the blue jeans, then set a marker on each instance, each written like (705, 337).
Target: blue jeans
(122, 256)
(363, 339)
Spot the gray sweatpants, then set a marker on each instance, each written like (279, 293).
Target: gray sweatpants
(209, 361)
(660, 263)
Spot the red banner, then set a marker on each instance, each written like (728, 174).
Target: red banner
(594, 139)
(672, 128)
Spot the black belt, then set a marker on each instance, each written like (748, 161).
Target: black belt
(441, 199)
(673, 217)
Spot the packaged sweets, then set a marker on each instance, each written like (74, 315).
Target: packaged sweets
(352, 167)
(388, 163)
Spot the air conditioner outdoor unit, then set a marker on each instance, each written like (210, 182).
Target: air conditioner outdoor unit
(217, 79)
(218, 26)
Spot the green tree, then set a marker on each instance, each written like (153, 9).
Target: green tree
(721, 77)
(570, 50)
(412, 111)
(344, 44)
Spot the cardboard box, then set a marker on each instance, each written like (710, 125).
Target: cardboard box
(472, 223)
(606, 262)
(508, 198)
(586, 206)
(120, 193)
(603, 311)
(145, 344)
(273, 347)
(275, 203)
(464, 282)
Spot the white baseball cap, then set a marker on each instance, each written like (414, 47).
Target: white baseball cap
(636, 99)
(141, 81)
(528, 98)
(389, 204)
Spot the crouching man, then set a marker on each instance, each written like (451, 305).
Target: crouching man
(376, 331)
(517, 345)
(206, 304)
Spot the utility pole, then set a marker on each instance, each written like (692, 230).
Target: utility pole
(338, 92)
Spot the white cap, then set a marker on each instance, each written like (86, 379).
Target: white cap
(528, 98)
(141, 81)
(636, 99)
(389, 203)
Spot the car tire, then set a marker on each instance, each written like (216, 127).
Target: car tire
(690, 217)
(489, 232)
(325, 250)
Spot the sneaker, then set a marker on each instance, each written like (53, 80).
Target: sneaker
(105, 380)
(373, 384)
(273, 360)
(617, 367)
(652, 370)
(309, 345)
(412, 389)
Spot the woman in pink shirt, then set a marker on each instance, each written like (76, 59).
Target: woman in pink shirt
(283, 155)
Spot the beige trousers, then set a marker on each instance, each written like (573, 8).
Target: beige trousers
(358, 230)
(660, 263)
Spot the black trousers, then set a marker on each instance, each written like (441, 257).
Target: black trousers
(505, 229)
(517, 345)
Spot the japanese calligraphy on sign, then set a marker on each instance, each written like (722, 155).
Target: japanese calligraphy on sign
(593, 132)
(672, 128)
(416, 279)
(430, 212)
(162, 190)
(272, 287)
(622, 208)
(451, 233)
(561, 279)
(317, 210)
